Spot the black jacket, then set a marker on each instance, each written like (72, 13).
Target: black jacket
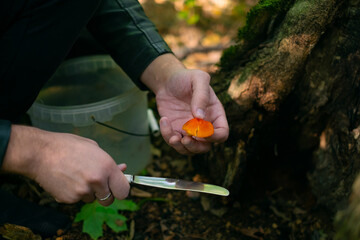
(120, 26)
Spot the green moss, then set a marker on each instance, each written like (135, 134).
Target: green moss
(255, 31)
(347, 222)
(229, 53)
(260, 15)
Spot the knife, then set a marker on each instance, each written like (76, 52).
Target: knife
(177, 184)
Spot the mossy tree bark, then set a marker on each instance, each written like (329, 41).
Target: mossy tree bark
(291, 90)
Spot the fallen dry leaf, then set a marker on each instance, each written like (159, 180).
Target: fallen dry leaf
(205, 203)
(279, 214)
(192, 195)
(298, 211)
(132, 230)
(153, 172)
(167, 234)
(15, 232)
(136, 192)
(178, 164)
(250, 232)
(219, 212)
(151, 227)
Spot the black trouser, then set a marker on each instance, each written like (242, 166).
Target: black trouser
(35, 37)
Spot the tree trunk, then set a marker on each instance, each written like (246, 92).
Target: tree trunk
(290, 88)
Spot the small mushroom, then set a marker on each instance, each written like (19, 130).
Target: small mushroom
(199, 128)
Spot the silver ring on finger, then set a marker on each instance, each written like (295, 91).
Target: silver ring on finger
(105, 198)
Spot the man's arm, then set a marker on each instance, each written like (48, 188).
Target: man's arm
(160, 71)
(132, 40)
(71, 168)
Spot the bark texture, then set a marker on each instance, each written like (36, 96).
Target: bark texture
(292, 90)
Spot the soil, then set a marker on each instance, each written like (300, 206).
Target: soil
(273, 205)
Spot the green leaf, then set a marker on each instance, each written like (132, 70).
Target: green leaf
(190, 3)
(143, 172)
(85, 212)
(183, 14)
(94, 215)
(127, 205)
(117, 223)
(93, 226)
(193, 19)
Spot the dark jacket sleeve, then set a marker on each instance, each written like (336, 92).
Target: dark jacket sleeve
(132, 40)
(5, 129)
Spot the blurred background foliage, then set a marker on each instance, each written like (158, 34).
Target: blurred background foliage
(198, 30)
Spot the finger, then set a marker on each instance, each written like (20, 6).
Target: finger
(104, 197)
(119, 184)
(122, 166)
(100, 187)
(166, 129)
(175, 142)
(195, 146)
(89, 198)
(221, 130)
(201, 93)
(172, 138)
(220, 135)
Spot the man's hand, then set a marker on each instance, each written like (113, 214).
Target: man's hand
(69, 167)
(186, 95)
(182, 94)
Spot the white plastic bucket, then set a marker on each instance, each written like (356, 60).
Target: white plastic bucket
(95, 87)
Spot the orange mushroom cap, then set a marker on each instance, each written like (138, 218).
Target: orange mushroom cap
(199, 128)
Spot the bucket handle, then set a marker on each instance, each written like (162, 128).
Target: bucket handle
(154, 132)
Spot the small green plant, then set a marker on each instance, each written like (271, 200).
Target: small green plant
(189, 13)
(94, 215)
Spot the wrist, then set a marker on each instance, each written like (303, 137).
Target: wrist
(24, 150)
(160, 71)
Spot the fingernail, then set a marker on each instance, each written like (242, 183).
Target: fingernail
(200, 113)
(186, 141)
(122, 166)
(164, 122)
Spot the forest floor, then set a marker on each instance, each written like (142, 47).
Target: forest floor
(273, 204)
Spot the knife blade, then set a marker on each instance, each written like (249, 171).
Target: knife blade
(177, 184)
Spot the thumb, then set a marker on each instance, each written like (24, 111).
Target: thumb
(122, 166)
(201, 93)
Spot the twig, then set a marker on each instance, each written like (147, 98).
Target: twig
(185, 51)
